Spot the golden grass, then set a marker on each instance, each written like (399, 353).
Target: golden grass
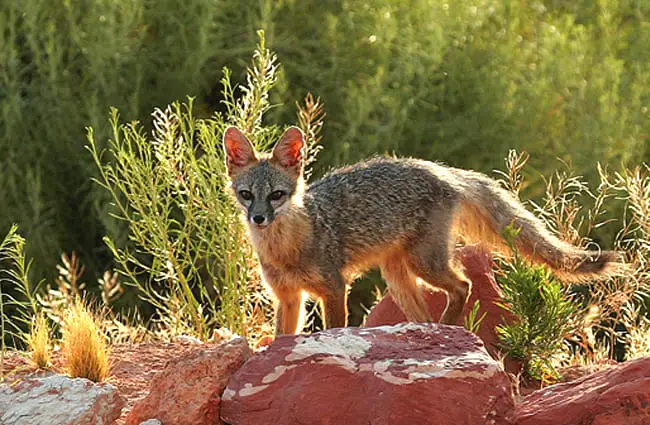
(84, 345)
(40, 342)
(638, 340)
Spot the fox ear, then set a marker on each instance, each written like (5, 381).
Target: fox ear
(287, 153)
(239, 151)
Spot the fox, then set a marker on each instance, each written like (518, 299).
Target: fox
(401, 215)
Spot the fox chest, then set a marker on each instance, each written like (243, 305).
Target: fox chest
(291, 277)
(282, 245)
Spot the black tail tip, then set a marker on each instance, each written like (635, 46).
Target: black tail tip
(601, 263)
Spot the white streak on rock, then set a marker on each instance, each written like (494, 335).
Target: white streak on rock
(414, 370)
(380, 369)
(404, 327)
(151, 422)
(343, 362)
(277, 372)
(249, 389)
(345, 346)
(228, 394)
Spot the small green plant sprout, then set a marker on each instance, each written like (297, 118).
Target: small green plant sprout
(473, 321)
(543, 311)
(18, 304)
(84, 345)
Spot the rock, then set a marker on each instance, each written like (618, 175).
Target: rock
(616, 396)
(151, 422)
(577, 371)
(404, 374)
(188, 390)
(134, 366)
(478, 268)
(59, 400)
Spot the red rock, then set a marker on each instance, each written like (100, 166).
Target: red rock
(404, 374)
(59, 400)
(188, 390)
(478, 267)
(617, 396)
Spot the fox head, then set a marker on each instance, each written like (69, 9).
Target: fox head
(265, 186)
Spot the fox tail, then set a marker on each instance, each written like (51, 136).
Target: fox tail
(487, 209)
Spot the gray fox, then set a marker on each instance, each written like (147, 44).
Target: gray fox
(401, 215)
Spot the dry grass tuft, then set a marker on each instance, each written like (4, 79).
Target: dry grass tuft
(85, 349)
(39, 341)
(638, 340)
(311, 116)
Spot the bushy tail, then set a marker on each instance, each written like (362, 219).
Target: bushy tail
(487, 209)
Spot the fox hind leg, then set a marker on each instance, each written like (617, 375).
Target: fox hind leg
(405, 290)
(429, 258)
(441, 274)
(458, 290)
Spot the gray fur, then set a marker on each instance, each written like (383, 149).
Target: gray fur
(401, 215)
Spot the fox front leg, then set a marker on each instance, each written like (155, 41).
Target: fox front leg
(336, 310)
(289, 314)
(334, 302)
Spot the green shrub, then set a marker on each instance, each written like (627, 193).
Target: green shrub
(62, 65)
(473, 320)
(189, 256)
(464, 81)
(543, 314)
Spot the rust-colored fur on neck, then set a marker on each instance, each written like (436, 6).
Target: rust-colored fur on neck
(281, 244)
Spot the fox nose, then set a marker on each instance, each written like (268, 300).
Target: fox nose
(258, 219)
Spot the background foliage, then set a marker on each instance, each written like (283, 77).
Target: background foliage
(455, 81)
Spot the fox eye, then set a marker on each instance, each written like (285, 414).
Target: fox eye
(276, 196)
(246, 195)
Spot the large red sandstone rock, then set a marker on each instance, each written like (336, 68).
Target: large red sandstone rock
(59, 400)
(617, 396)
(478, 267)
(188, 390)
(404, 374)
